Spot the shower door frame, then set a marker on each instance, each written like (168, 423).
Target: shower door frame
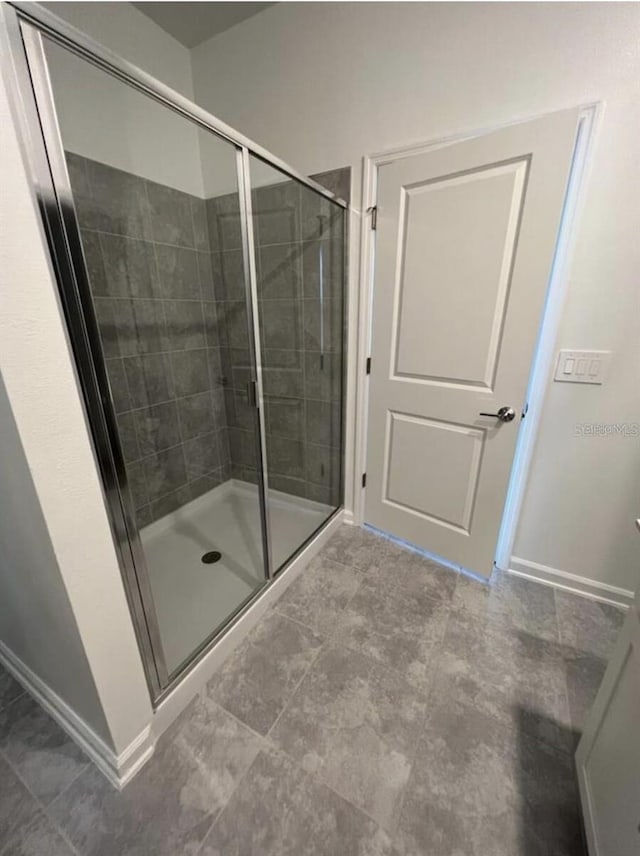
(27, 75)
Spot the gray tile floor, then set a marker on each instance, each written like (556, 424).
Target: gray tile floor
(386, 705)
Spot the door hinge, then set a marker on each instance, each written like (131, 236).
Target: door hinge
(525, 409)
(364, 479)
(373, 210)
(368, 365)
(252, 397)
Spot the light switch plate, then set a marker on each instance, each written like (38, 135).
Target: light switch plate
(582, 366)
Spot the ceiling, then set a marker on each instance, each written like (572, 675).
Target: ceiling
(193, 23)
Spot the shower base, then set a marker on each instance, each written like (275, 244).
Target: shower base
(192, 599)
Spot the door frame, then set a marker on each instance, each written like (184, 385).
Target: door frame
(590, 119)
(626, 649)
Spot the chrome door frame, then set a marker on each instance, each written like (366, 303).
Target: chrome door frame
(54, 197)
(22, 26)
(253, 324)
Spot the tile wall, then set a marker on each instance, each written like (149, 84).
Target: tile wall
(301, 352)
(167, 278)
(147, 252)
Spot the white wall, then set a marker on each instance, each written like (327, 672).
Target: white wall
(322, 85)
(104, 119)
(71, 562)
(34, 606)
(133, 36)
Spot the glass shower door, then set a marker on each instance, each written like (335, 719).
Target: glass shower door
(299, 239)
(161, 250)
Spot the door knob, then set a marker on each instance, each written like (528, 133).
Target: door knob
(504, 414)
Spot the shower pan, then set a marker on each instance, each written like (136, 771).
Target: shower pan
(203, 287)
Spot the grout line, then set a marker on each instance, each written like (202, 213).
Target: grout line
(261, 737)
(139, 238)
(368, 578)
(406, 787)
(177, 399)
(316, 776)
(563, 646)
(222, 809)
(44, 809)
(362, 582)
(87, 768)
(302, 624)
(87, 173)
(154, 298)
(168, 449)
(386, 667)
(265, 740)
(193, 235)
(555, 609)
(240, 780)
(526, 735)
(305, 408)
(170, 366)
(10, 704)
(295, 689)
(168, 352)
(208, 474)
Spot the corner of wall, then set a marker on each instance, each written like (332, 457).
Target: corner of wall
(58, 481)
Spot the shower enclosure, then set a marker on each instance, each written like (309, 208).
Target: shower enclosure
(203, 287)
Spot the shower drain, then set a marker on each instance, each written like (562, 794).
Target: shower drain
(211, 557)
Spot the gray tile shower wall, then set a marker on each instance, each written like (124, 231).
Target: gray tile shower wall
(167, 279)
(152, 280)
(301, 322)
(338, 181)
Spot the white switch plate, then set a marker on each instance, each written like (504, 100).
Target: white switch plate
(582, 366)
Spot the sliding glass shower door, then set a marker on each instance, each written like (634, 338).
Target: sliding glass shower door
(299, 239)
(208, 342)
(164, 248)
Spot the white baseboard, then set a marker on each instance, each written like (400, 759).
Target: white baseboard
(119, 769)
(570, 582)
(195, 681)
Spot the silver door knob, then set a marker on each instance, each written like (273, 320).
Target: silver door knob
(504, 414)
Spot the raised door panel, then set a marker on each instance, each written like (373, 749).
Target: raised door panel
(457, 239)
(432, 469)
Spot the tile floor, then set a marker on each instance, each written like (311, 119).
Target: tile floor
(386, 705)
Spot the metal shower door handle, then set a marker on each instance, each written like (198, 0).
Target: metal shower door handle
(504, 414)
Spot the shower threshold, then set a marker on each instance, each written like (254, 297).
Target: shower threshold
(193, 598)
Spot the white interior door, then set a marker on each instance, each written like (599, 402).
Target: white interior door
(463, 252)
